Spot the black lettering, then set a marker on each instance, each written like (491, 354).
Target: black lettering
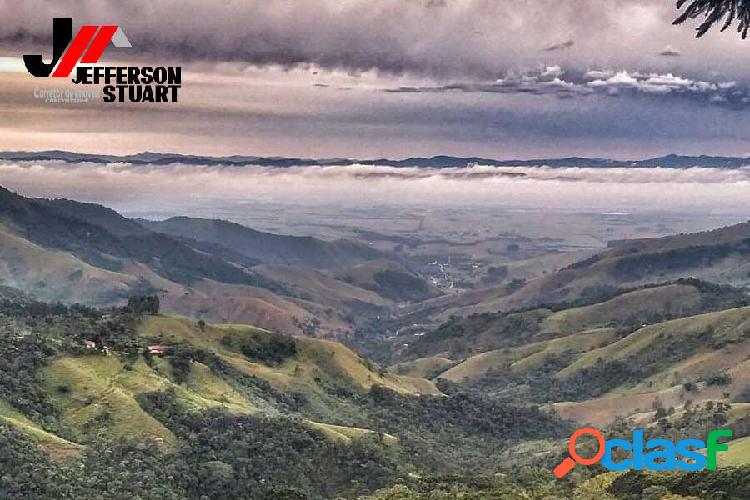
(110, 74)
(147, 94)
(174, 75)
(62, 33)
(160, 75)
(146, 75)
(161, 94)
(133, 73)
(98, 74)
(83, 75)
(109, 93)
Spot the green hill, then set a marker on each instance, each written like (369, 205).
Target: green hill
(623, 310)
(388, 279)
(63, 250)
(594, 376)
(719, 256)
(82, 395)
(268, 248)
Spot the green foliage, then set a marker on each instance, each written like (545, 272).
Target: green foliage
(714, 11)
(270, 349)
(20, 359)
(454, 434)
(140, 304)
(727, 483)
(474, 488)
(694, 423)
(647, 265)
(181, 356)
(25, 468)
(105, 471)
(460, 335)
(227, 456)
(180, 359)
(464, 336)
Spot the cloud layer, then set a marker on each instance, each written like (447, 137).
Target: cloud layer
(439, 38)
(553, 80)
(183, 187)
(497, 78)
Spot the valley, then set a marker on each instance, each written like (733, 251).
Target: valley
(411, 350)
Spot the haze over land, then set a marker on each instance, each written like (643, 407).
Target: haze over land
(175, 189)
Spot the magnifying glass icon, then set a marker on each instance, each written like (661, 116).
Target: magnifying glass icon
(567, 465)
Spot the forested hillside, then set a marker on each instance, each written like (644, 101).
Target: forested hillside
(106, 403)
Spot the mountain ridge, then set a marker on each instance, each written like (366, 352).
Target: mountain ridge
(265, 247)
(437, 161)
(63, 250)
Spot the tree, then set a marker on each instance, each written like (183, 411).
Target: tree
(140, 304)
(715, 11)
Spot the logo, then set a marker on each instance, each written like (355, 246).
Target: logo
(121, 83)
(91, 39)
(654, 455)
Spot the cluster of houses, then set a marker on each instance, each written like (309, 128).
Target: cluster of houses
(156, 349)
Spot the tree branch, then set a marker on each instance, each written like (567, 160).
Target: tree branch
(714, 11)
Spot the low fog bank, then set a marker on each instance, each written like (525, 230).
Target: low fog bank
(179, 187)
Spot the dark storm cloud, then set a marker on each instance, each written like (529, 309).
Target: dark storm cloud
(559, 46)
(463, 77)
(670, 51)
(554, 81)
(475, 38)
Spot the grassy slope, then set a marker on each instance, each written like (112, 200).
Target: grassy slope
(96, 399)
(56, 447)
(221, 302)
(716, 256)
(528, 357)
(422, 367)
(729, 324)
(226, 303)
(53, 275)
(660, 300)
(323, 360)
(328, 290)
(738, 453)
(486, 332)
(98, 393)
(666, 384)
(347, 434)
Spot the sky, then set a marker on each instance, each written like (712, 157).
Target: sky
(393, 78)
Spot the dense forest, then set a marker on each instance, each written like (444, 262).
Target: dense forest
(217, 453)
(491, 438)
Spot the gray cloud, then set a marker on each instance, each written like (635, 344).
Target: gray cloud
(129, 187)
(472, 38)
(559, 46)
(552, 80)
(476, 79)
(670, 51)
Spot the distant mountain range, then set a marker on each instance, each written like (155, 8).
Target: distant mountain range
(275, 249)
(63, 250)
(669, 161)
